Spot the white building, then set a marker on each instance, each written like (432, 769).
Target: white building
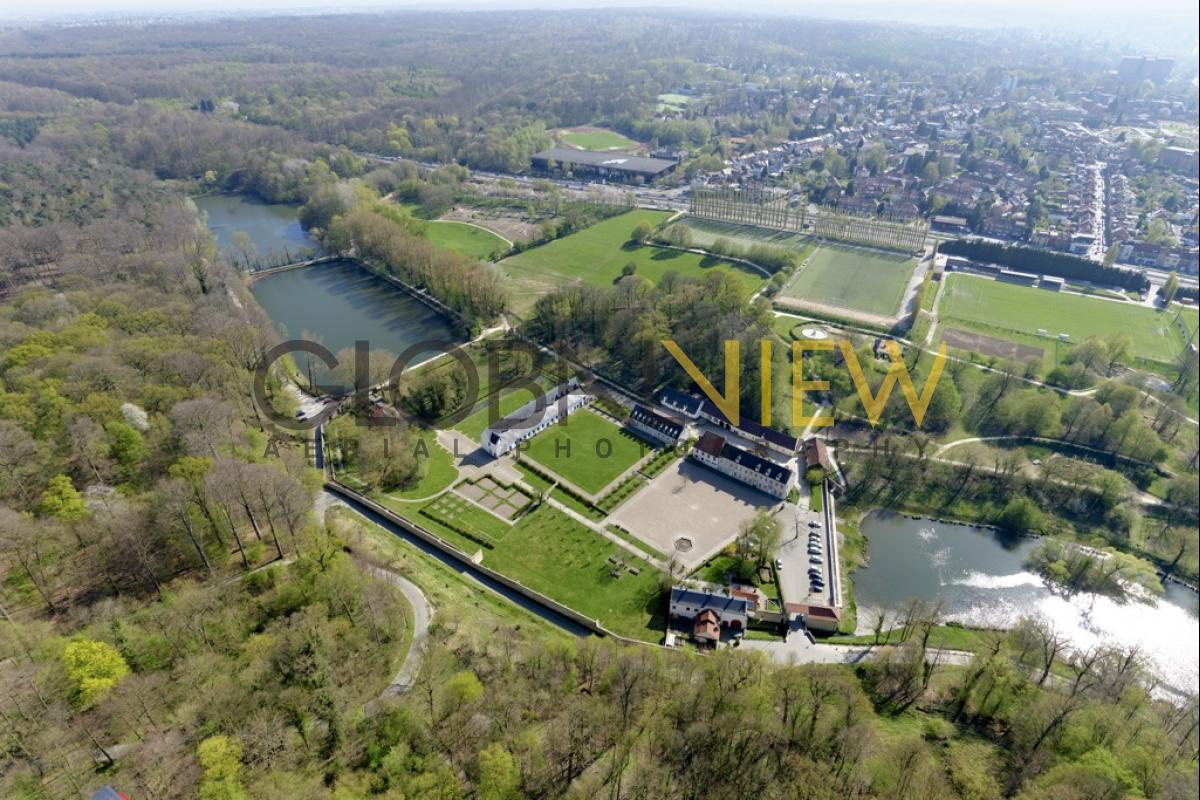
(766, 476)
(688, 604)
(534, 417)
(654, 427)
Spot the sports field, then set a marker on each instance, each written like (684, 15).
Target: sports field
(997, 308)
(707, 231)
(589, 138)
(468, 240)
(589, 451)
(873, 281)
(596, 256)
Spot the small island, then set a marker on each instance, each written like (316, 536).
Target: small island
(1073, 568)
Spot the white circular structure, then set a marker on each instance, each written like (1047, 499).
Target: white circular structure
(814, 333)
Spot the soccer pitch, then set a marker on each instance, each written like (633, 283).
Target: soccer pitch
(873, 281)
(589, 451)
(596, 256)
(995, 308)
(596, 139)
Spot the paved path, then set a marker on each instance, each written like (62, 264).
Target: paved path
(799, 650)
(422, 613)
(422, 609)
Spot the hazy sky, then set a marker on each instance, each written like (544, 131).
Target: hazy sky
(1154, 21)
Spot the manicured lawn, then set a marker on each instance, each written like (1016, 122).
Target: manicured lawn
(468, 240)
(589, 451)
(597, 255)
(552, 553)
(589, 138)
(850, 277)
(995, 308)
(706, 231)
(451, 509)
(440, 473)
(440, 470)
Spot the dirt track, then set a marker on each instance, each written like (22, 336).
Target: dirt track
(988, 345)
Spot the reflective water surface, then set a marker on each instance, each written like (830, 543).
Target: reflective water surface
(982, 578)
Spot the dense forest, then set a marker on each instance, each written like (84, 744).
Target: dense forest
(180, 614)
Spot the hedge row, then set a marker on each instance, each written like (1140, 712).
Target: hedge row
(622, 490)
(459, 529)
(1027, 259)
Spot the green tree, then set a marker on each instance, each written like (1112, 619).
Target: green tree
(1170, 288)
(463, 688)
(641, 233)
(1110, 255)
(499, 776)
(62, 501)
(126, 444)
(221, 759)
(93, 668)
(1020, 514)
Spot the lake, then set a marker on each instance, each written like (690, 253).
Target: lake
(338, 302)
(273, 229)
(982, 578)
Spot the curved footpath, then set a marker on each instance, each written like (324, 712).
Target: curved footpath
(422, 613)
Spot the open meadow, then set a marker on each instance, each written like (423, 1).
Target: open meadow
(596, 256)
(471, 241)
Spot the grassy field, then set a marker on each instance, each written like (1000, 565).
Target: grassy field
(597, 254)
(672, 101)
(588, 138)
(577, 451)
(468, 240)
(995, 308)
(453, 509)
(552, 553)
(440, 470)
(440, 473)
(849, 277)
(707, 231)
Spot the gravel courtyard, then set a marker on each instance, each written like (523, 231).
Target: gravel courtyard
(689, 501)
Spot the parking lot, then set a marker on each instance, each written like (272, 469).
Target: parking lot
(691, 503)
(794, 578)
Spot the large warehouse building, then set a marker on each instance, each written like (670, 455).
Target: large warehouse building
(607, 165)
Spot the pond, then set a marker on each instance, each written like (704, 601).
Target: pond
(273, 232)
(982, 578)
(339, 302)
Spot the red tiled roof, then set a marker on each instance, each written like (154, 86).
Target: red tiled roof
(711, 443)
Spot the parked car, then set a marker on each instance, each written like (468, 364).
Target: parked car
(812, 523)
(779, 563)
